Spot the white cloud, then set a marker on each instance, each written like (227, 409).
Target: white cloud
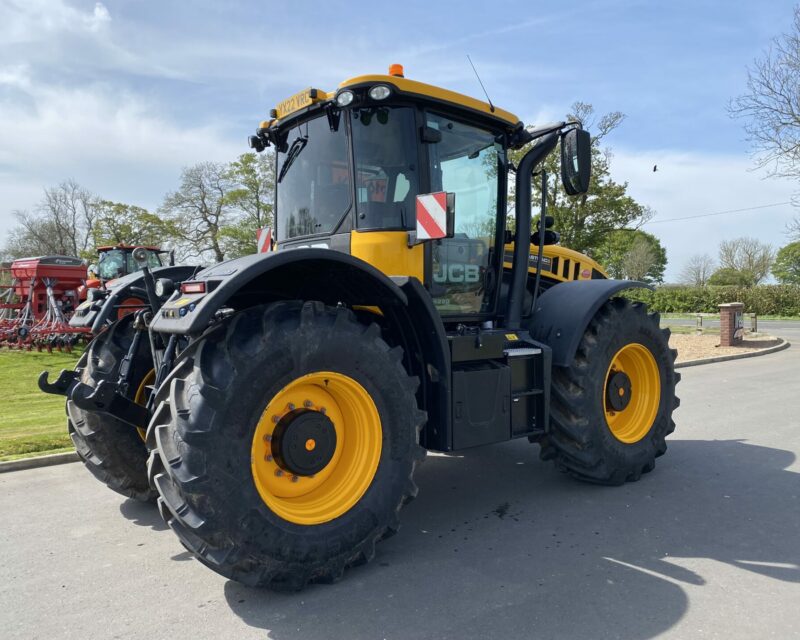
(113, 142)
(691, 183)
(36, 20)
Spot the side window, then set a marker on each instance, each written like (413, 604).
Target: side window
(465, 162)
(385, 152)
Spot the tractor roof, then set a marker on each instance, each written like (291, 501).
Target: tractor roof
(310, 97)
(127, 247)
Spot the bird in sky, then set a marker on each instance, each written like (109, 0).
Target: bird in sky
(655, 168)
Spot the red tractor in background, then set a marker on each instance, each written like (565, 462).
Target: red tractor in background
(39, 295)
(115, 261)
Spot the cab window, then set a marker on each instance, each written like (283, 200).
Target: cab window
(465, 162)
(385, 152)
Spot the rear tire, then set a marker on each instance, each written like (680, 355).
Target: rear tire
(207, 451)
(113, 451)
(581, 440)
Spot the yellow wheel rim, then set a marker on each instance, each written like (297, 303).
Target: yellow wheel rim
(141, 397)
(333, 490)
(634, 421)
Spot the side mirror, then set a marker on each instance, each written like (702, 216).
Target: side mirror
(140, 255)
(436, 217)
(576, 161)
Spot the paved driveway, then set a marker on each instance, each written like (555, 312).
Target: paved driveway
(498, 545)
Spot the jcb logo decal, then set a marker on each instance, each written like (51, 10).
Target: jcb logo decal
(457, 273)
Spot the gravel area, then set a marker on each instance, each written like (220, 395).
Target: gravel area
(692, 347)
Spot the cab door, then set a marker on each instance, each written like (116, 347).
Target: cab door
(466, 161)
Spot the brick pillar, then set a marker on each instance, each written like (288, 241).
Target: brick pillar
(731, 324)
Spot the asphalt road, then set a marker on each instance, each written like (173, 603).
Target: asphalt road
(498, 545)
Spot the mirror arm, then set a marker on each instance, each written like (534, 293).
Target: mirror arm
(519, 271)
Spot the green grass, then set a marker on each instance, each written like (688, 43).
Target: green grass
(31, 422)
(684, 330)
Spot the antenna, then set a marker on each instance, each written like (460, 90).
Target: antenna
(488, 99)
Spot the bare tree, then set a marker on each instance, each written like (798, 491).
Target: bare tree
(747, 255)
(62, 223)
(639, 260)
(793, 229)
(771, 106)
(198, 211)
(697, 270)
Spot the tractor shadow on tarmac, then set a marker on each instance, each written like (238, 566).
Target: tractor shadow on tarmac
(500, 545)
(143, 514)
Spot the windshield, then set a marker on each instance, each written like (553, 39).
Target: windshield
(117, 263)
(314, 187)
(314, 177)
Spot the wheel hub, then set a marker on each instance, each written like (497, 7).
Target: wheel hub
(618, 391)
(304, 442)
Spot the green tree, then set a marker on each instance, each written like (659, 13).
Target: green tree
(632, 254)
(584, 221)
(119, 223)
(252, 196)
(725, 276)
(787, 264)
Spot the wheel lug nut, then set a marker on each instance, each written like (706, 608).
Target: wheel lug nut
(307, 404)
(295, 478)
(267, 438)
(276, 419)
(268, 458)
(291, 406)
(322, 410)
(278, 473)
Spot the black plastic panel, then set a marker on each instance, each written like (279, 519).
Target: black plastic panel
(481, 404)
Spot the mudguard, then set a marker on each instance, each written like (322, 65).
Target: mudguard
(564, 311)
(95, 313)
(303, 274)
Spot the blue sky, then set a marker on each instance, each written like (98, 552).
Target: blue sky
(120, 95)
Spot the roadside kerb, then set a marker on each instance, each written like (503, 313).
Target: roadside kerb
(39, 461)
(785, 344)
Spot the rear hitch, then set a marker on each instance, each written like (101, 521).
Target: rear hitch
(62, 386)
(104, 398)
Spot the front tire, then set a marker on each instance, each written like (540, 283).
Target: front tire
(113, 451)
(611, 409)
(250, 450)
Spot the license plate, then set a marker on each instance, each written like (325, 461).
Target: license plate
(298, 101)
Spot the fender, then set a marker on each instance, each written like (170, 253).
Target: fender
(299, 274)
(96, 313)
(564, 311)
(408, 314)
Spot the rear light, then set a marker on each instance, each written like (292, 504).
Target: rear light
(193, 287)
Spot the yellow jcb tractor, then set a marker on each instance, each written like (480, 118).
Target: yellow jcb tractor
(290, 395)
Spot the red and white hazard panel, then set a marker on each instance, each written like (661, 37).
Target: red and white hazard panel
(432, 215)
(264, 239)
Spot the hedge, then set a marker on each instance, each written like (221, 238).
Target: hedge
(769, 299)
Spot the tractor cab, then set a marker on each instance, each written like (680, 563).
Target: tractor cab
(116, 261)
(409, 177)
